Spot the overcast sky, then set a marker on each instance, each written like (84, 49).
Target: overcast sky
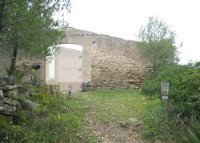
(124, 18)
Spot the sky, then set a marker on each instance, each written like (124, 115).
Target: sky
(124, 19)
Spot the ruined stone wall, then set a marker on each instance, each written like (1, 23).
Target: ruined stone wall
(22, 58)
(115, 62)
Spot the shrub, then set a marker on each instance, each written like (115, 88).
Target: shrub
(170, 73)
(184, 97)
(184, 90)
(186, 93)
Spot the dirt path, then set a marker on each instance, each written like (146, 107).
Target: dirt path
(113, 132)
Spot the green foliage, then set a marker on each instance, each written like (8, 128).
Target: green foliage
(157, 43)
(54, 119)
(161, 127)
(29, 26)
(184, 91)
(185, 94)
(192, 134)
(170, 73)
(22, 73)
(114, 107)
(184, 101)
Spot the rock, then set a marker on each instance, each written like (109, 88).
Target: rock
(10, 94)
(1, 108)
(23, 91)
(28, 104)
(9, 91)
(9, 87)
(11, 102)
(7, 110)
(4, 81)
(1, 95)
(11, 80)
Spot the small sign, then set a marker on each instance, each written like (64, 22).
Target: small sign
(36, 66)
(164, 88)
(164, 97)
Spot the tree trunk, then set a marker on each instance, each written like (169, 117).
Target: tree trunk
(13, 62)
(154, 65)
(2, 5)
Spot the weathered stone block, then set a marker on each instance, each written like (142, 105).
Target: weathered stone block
(9, 87)
(11, 80)
(10, 94)
(10, 102)
(7, 110)
(1, 94)
(28, 104)
(4, 81)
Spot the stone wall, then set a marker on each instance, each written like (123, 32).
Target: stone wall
(115, 62)
(23, 58)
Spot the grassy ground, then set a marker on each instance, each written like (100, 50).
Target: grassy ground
(117, 115)
(104, 116)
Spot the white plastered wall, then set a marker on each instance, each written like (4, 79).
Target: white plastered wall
(65, 67)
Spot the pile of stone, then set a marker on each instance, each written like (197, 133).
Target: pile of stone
(8, 94)
(9, 97)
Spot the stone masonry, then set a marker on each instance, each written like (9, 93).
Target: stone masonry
(22, 59)
(113, 62)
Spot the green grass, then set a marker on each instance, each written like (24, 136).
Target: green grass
(122, 104)
(59, 119)
(54, 119)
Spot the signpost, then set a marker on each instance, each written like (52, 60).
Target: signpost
(164, 94)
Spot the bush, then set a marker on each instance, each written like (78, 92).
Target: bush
(185, 94)
(170, 73)
(184, 88)
(184, 97)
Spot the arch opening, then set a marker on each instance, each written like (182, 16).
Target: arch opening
(65, 67)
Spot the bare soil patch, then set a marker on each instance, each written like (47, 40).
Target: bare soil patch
(114, 131)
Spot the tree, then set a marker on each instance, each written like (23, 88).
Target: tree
(157, 43)
(28, 25)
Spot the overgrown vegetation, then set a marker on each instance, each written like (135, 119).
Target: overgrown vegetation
(53, 119)
(184, 101)
(59, 119)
